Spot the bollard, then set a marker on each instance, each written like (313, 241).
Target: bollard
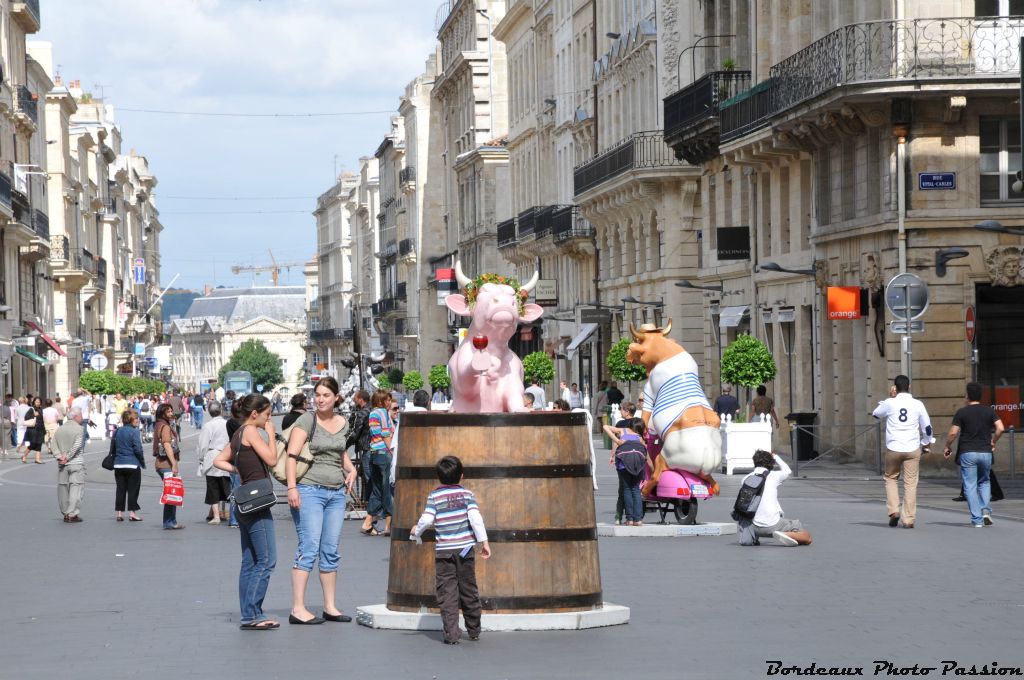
(792, 449)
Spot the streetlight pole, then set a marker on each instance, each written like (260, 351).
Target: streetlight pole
(692, 49)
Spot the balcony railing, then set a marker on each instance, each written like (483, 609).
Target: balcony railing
(699, 100)
(406, 246)
(407, 326)
(642, 150)
(891, 51)
(527, 221)
(389, 250)
(406, 175)
(330, 334)
(384, 306)
(748, 111)
(400, 291)
(82, 259)
(41, 224)
(5, 190)
(109, 205)
(59, 246)
(569, 225)
(543, 221)
(507, 233)
(28, 102)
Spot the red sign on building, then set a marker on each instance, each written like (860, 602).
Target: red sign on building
(843, 302)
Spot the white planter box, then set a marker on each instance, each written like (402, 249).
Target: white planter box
(741, 440)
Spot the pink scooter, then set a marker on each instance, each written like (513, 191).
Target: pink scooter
(677, 492)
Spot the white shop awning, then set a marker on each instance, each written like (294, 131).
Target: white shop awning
(586, 330)
(730, 317)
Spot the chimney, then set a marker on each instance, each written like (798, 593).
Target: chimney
(207, 289)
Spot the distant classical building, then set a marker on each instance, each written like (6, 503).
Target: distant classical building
(217, 324)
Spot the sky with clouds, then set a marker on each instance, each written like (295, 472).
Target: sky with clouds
(230, 188)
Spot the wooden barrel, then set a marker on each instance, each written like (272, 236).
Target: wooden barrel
(531, 474)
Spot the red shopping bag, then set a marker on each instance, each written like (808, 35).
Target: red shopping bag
(174, 491)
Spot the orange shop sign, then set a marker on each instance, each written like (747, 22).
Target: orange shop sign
(843, 302)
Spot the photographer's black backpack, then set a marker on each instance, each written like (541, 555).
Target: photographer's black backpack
(749, 497)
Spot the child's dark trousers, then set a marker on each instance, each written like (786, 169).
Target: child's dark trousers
(455, 582)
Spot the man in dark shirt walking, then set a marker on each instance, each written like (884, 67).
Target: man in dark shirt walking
(727, 404)
(979, 429)
(615, 395)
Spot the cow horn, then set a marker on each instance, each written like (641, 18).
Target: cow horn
(528, 286)
(637, 335)
(667, 329)
(462, 279)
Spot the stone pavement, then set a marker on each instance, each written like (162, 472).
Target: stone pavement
(110, 600)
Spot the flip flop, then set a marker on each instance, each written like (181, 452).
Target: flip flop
(372, 531)
(260, 625)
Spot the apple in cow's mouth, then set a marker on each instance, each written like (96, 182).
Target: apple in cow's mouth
(480, 341)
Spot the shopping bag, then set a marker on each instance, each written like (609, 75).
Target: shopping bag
(174, 491)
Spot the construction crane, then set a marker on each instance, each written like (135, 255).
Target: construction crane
(274, 268)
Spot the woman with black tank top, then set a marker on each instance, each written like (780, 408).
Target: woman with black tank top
(249, 454)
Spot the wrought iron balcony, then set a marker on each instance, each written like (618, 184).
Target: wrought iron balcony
(569, 225)
(5, 190)
(390, 249)
(891, 52)
(400, 291)
(507, 233)
(691, 114)
(527, 221)
(82, 259)
(325, 334)
(406, 246)
(407, 175)
(544, 222)
(28, 103)
(384, 306)
(642, 150)
(41, 224)
(101, 273)
(109, 205)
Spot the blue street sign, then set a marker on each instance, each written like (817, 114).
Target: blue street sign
(151, 362)
(139, 274)
(932, 181)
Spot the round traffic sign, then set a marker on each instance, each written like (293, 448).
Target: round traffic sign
(98, 362)
(969, 324)
(906, 296)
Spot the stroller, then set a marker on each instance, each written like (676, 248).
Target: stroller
(677, 492)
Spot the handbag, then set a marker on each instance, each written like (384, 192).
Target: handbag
(303, 461)
(108, 460)
(256, 495)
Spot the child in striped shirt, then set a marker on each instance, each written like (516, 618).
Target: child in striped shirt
(459, 527)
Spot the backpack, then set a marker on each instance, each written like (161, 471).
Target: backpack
(144, 406)
(749, 497)
(633, 456)
(198, 400)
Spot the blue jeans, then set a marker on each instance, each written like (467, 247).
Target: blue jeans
(379, 504)
(259, 557)
(170, 511)
(634, 504)
(236, 481)
(197, 418)
(974, 469)
(318, 525)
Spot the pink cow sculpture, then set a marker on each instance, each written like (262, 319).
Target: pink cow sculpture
(487, 377)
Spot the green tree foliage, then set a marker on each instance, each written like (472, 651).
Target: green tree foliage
(747, 362)
(413, 380)
(538, 365)
(622, 369)
(108, 382)
(384, 383)
(395, 376)
(253, 356)
(438, 376)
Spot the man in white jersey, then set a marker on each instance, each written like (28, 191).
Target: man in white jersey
(908, 432)
(675, 406)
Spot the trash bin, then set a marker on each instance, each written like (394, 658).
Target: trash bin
(804, 437)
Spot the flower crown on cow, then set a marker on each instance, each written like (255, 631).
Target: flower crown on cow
(473, 288)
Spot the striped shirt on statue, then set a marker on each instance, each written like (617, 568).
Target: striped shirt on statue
(456, 517)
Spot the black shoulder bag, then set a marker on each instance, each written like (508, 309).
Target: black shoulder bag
(257, 494)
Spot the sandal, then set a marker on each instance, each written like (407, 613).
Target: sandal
(372, 531)
(266, 624)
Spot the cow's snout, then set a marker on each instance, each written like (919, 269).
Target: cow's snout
(503, 317)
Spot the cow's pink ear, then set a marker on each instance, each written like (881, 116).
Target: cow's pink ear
(531, 312)
(457, 303)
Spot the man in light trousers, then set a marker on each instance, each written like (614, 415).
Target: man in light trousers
(70, 441)
(908, 433)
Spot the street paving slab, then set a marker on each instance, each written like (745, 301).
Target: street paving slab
(105, 600)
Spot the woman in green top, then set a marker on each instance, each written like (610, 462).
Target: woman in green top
(318, 500)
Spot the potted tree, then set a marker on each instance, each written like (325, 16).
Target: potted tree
(748, 363)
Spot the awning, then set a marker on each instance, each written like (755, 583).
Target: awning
(586, 330)
(46, 338)
(31, 355)
(730, 317)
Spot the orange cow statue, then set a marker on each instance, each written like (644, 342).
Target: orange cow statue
(675, 406)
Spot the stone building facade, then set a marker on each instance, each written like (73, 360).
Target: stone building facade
(839, 145)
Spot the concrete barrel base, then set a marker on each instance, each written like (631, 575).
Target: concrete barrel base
(379, 616)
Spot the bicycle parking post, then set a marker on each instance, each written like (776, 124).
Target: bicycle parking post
(1013, 451)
